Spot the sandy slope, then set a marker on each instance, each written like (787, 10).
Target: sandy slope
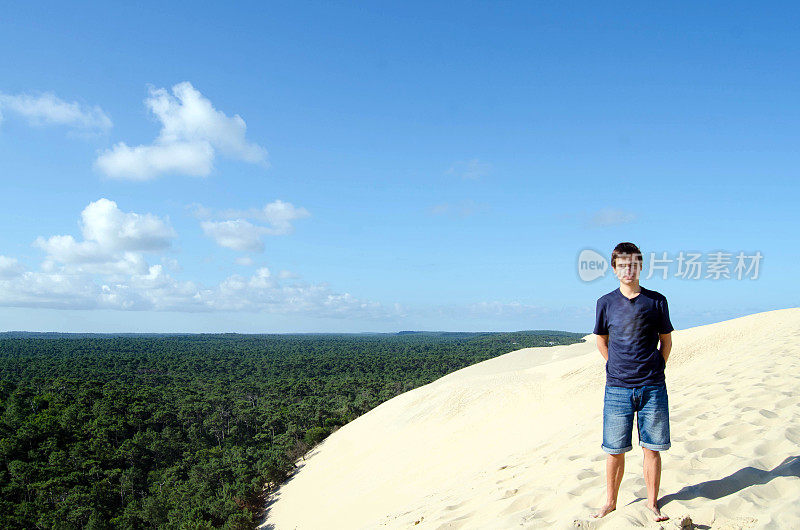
(514, 442)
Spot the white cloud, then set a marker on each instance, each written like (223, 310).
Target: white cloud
(107, 270)
(190, 116)
(245, 261)
(262, 292)
(113, 241)
(278, 214)
(117, 265)
(610, 217)
(65, 249)
(192, 131)
(262, 279)
(155, 290)
(237, 233)
(105, 223)
(52, 290)
(470, 170)
(144, 162)
(10, 267)
(44, 109)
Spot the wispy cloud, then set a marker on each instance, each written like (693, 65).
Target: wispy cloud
(508, 314)
(234, 229)
(470, 169)
(610, 217)
(278, 214)
(192, 132)
(461, 209)
(48, 109)
(237, 234)
(10, 267)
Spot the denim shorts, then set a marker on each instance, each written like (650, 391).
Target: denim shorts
(650, 404)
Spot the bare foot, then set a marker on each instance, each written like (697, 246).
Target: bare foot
(605, 510)
(658, 515)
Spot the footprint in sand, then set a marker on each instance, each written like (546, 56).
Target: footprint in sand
(465, 516)
(727, 431)
(697, 445)
(767, 413)
(526, 503)
(766, 448)
(793, 435)
(713, 452)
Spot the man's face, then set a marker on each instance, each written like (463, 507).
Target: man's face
(627, 268)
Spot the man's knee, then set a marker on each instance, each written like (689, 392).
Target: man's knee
(616, 459)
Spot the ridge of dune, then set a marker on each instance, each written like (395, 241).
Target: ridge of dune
(514, 441)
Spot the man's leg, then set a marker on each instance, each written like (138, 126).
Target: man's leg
(615, 468)
(617, 430)
(652, 478)
(653, 423)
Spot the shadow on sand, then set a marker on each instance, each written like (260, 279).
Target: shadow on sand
(711, 489)
(273, 497)
(733, 483)
(745, 477)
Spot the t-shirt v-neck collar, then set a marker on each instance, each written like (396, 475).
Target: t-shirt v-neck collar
(619, 291)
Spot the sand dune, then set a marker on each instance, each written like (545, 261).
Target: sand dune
(514, 442)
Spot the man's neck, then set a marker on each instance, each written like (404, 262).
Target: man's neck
(630, 290)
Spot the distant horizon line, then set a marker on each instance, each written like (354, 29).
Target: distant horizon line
(182, 333)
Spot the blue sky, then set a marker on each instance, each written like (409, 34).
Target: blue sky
(392, 166)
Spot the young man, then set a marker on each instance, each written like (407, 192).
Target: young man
(630, 322)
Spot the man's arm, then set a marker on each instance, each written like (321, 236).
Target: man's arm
(602, 345)
(666, 345)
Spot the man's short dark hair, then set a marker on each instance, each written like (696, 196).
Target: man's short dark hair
(625, 248)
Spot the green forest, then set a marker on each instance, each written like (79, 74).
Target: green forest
(194, 431)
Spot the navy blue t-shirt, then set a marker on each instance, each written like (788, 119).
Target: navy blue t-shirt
(633, 326)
